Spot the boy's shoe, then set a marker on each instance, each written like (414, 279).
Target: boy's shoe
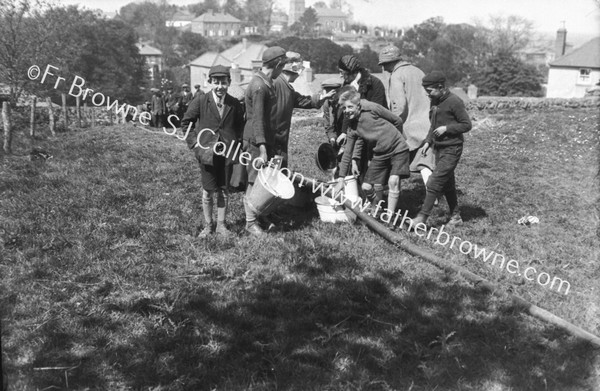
(206, 231)
(421, 218)
(455, 221)
(254, 229)
(268, 223)
(222, 230)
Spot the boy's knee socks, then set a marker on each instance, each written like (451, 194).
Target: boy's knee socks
(207, 206)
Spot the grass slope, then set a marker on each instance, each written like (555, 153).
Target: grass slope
(104, 286)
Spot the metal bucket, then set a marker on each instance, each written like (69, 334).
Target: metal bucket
(271, 188)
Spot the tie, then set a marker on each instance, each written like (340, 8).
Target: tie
(220, 108)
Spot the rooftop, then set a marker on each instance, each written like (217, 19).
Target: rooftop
(587, 55)
(216, 17)
(147, 50)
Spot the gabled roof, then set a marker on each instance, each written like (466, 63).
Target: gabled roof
(147, 50)
(183, 16)
(205, 60)
(587, 55)
(242, 54)
(216, 17)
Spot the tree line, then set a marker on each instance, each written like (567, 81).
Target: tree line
(104, 53)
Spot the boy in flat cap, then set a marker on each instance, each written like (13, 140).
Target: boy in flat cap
(287, 100)
(212, 117)
(259, 133)
(408, 100)
(449, 120)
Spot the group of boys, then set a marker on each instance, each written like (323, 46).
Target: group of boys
(416, 126)
(163, 104)
(384, 130)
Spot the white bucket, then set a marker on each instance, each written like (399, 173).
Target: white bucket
(351, 188)
(331, 211)
(269, 190)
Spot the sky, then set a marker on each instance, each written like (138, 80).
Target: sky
(580, 16)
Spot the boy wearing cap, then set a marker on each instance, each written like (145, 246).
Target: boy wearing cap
(369, 122)
(214, 116)
(407, 99)
(287, 100)
(259, 133)
(449, 120)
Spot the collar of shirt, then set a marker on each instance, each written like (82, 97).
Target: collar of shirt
(268, 81)
(217, 100)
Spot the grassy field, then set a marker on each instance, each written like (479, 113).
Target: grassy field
(104, 286)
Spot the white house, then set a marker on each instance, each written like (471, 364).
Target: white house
(575, 72)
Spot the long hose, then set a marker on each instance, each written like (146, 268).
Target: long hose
(484, 284)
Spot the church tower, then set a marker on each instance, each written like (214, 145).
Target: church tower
(297, 8)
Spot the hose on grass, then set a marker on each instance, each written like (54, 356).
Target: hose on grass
(518, 302)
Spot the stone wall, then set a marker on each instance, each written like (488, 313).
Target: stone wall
(515, 103)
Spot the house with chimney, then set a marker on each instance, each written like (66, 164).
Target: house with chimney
(572, 73)
(244, 59)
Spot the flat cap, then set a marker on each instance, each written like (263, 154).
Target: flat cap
(332, 82)
(184, 85)
(388, 54)
(273, 53)
(434, 78)
(218, 71)
(196, 85)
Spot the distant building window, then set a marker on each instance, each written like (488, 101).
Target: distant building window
(584, 76)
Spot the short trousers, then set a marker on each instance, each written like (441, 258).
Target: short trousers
(216, 176)
(382, 167)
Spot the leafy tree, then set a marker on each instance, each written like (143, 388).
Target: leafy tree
(147, 18)
(320, 4)
(259, 13)
(309, 20)
(504, 74)
(321, 52)
(417, 40)
(233, 8)
(23, 42)
(369, 59)
(506, 34)
(202, 7)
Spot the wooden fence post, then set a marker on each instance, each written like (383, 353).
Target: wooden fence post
(51, 116)
(78, 108)
(65, 112)
(32, 118)
(7, 127)
(86, 112)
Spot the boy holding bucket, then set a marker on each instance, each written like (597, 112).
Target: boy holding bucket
(213, 117)
(259, 133)
(369, 122)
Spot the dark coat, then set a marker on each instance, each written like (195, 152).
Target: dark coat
(204, 114)
(260, 99)
(287, 100)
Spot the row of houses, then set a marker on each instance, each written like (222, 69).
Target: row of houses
(219, 24)
(572, 72)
